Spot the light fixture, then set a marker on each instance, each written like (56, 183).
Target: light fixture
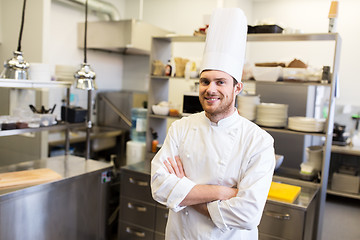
(17, 67)
(85, 76)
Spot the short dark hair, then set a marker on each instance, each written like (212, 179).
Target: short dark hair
(234, 82)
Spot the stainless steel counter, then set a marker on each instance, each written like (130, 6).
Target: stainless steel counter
(74, 207)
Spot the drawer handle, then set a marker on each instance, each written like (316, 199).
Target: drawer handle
(138, 207)
(134, 232)
(139, 183)
(277, 215)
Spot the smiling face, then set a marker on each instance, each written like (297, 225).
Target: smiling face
(217, 94)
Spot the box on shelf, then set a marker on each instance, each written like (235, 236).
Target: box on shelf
(345, 183)
(74, 114)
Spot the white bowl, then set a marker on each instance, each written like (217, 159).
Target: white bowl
(160, 110)
(271, 74)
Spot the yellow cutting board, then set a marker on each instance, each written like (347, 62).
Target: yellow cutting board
(283, 192)
(27, 178)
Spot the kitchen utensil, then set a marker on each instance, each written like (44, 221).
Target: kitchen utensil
(33, 109)
(53, 108)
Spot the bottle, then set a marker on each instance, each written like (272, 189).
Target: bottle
(168, 68)
(154, 142)
(333, 14)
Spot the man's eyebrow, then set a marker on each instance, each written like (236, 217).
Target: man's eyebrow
(219, 78)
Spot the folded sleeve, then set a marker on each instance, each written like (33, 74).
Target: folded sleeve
(166, 188)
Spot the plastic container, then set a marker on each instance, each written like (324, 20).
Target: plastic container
(138, 124)
(46, 119)
(268, 29)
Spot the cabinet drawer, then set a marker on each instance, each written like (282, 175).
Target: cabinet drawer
(137, 212)
(282, 222)
(136, 185)
(161, 218)
(130, 232)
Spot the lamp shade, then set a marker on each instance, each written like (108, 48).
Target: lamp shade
(85, 78)
(16, 67)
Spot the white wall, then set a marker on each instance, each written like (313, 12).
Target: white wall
(312, 17)
(63, 50)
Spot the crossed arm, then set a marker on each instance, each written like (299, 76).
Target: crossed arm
(199, 195)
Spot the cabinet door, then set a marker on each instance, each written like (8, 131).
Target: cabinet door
(161, 218)
(139, 213)
(282, 222)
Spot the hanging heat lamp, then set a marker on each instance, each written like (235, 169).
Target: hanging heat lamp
(17, 67)
(85, 76)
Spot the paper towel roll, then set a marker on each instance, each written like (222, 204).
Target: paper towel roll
(135, 152)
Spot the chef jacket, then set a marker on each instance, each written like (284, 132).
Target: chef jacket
(234, 153)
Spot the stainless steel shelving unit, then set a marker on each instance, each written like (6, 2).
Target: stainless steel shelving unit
(29, 84)
(159, 87)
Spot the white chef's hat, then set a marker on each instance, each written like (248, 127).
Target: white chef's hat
(226, 42)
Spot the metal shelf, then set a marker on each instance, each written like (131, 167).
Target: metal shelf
(287, 131)
(13, 83)
(262, 37)
(62, 126)
(291, 83)
(343, 194)
(269, 37)
(164, 117)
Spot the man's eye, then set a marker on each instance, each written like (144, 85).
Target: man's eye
(204, 82)
(221, 82)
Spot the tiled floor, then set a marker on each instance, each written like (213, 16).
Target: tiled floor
(341, 219)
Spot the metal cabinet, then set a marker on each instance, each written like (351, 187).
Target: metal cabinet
(140, 216)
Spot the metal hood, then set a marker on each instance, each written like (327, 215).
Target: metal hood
(123, 36)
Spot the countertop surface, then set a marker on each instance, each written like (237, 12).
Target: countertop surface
(67, 166)
(351, 150)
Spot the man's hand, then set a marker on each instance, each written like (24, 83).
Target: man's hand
(175, 168)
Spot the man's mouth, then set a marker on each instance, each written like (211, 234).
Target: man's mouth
(211, 99)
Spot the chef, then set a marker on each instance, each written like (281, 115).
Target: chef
(215, 168)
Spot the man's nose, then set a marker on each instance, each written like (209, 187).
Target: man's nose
(212, 87)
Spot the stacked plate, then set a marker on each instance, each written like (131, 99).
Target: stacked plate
(306, 124)
(247, 106)
(272, 114)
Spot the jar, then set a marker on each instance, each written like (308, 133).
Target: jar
(138, 124)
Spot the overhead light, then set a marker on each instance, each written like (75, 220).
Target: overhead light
(16, 67)
(85, 76)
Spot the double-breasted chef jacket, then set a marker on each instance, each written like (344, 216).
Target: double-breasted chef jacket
(235, 152)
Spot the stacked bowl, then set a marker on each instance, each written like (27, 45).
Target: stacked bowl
(247, 106)
(272, 115)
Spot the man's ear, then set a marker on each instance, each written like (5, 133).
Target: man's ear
(238, 87)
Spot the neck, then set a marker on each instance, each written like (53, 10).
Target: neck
(215, 118)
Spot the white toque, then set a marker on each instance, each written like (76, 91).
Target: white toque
(226, 42)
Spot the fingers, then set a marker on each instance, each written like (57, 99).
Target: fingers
(180, 166)
(175, 167)
(168, 167)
